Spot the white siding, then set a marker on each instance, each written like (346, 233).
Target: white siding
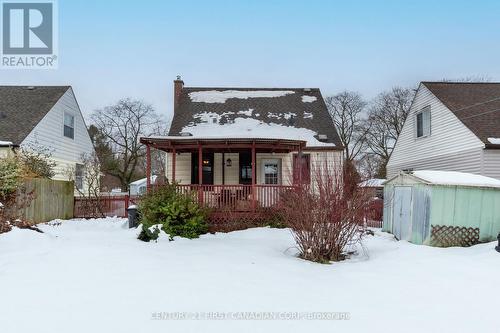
(451, 145)
(491, 163)
(48, 133)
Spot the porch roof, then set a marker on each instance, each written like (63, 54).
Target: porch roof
(189, 143)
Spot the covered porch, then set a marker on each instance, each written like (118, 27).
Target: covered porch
(232, 175)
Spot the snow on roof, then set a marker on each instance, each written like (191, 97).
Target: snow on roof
(251, 128)
(374, 182)
(216, 96)
(143, 181)
(495, 141)
(308, 99)
(6, 143)
(455, 178)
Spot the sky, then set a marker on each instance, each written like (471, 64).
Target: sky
(111, 49)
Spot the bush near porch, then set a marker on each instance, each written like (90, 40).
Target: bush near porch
(179, 214)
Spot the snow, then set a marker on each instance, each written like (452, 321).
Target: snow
(250, 128)
(456, 178)
(6, 143)
(495, 141)
(142, 181)
(95, 276)
(374, 182)
(308, 99)
(308, 115)
(216, 96)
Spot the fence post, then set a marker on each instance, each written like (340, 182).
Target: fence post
(127, 203)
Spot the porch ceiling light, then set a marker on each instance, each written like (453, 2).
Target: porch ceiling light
(229, 162)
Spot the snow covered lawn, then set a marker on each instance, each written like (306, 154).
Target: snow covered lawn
(94, 276)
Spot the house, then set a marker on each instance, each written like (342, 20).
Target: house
(451, 127)
(442, 208)
(239, 147)
(45, 117)
(374, 186)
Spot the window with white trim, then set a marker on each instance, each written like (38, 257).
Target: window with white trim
(423, 120)
(69, 125)
(271, 171)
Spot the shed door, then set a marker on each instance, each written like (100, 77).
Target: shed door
(402, 213)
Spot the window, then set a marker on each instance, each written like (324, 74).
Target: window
(271, 171)
(424, 122)
(79, 176)
(69, 126)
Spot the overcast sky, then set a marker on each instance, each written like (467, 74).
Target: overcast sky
(113, 49)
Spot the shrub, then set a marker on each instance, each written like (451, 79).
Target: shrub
(179, 214)
(325, 217)
(11, 174)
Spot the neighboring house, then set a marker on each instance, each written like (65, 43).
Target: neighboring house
(374, 187)
(139, 187)
(48, 117)
(243, 145)
(451, 127)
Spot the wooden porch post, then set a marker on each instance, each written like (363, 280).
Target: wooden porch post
(299, 159)
(173, 165)
(200, 173)
(254, 165)
(148, 168)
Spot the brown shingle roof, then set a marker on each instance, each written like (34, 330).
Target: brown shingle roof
(22, 108)
(313, 116)
(477, 105)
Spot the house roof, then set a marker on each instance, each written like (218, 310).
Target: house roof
(22, 108)
(288, 113)
(477, 105)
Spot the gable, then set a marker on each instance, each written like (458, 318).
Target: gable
(49, 132)
(22, 108)
(476, 105)
(448, 134)
(263, 112)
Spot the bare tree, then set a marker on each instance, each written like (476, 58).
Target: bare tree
(387, 115)
(87, 184)
(469, 79)
(347, 109)
(122, 125)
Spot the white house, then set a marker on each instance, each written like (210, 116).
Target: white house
(451, 127)
(244, 145)
(48, 117)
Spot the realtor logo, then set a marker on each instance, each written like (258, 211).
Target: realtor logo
(28, 34)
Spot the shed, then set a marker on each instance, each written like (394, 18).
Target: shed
(442, 208)
(139, 186)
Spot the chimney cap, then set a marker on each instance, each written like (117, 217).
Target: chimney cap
(178, 78)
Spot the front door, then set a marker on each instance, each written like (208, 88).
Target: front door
(245, 168)
(401, 215)
(207, 168)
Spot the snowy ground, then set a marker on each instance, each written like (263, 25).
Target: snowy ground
(94, 276)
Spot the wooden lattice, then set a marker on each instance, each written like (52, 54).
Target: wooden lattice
(446, 236)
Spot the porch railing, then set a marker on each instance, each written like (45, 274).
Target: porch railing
(236, 197)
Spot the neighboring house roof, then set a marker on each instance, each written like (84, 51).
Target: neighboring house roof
(287, 113)
(22, 108)
(373, 182)
(142, 181)
(477, 105)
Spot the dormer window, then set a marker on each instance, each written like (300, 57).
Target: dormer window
(69, 125)
(424, 122)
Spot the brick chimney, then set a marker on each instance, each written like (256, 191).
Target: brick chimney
(178, 85)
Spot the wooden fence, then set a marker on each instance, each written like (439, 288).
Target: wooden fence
(109, 205)
(52, 199)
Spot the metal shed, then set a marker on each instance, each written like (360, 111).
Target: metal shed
(442, 208)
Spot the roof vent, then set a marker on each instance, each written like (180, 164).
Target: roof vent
(322, 137)
(186, 134)
(30, 88)
(307, 90)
